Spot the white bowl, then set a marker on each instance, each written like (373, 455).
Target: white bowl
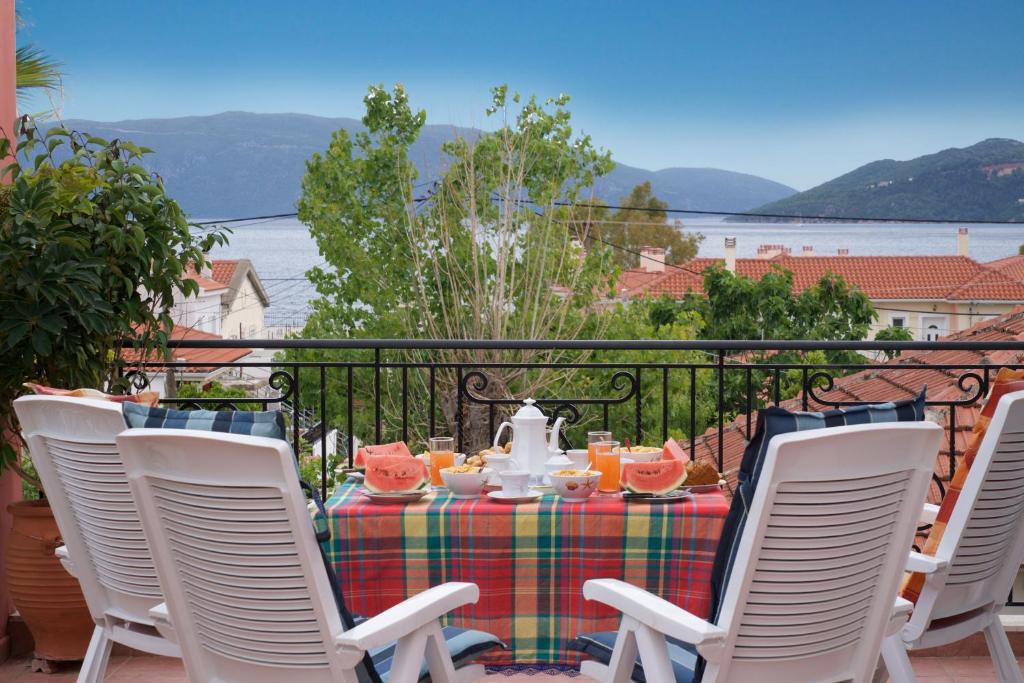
(640, 457)
(575, 488)
(465, 484)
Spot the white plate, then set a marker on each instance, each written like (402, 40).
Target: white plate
(674, 497)
(705, 488)
(355, 476)
(391, 498)
(502, 497)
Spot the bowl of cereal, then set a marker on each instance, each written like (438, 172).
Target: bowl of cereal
(465, 481)
(574, 486)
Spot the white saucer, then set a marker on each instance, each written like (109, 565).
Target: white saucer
(390, 498)
(502, 497)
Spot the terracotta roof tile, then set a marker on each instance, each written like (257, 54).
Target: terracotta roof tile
(1011, 266)
(208, 284)
(877, 385)
(223, 270)
(956, 278)
(215, 357)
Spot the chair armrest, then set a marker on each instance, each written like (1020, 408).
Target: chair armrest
(652, 611)
(900, 613)
(162, 622)
(408, 615)
(61, 552)
(926, 564)
(158, 613)
(928, 514)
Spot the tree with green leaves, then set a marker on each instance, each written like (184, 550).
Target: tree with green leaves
(488, 252)
(643, 222)
(892, 333)
(92, 251)
(738, 307)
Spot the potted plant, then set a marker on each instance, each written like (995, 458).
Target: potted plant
(92, 251)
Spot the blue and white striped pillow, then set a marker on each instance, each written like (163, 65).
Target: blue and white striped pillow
(268, 423)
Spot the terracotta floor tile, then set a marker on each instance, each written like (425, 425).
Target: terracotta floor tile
(155, 669)
(968, 666)
(928, 667)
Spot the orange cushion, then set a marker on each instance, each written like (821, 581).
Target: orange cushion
(149, 398)
(1006, 382)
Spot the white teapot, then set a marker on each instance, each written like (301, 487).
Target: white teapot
(529, 445)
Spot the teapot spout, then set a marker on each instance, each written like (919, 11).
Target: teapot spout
(555, 433)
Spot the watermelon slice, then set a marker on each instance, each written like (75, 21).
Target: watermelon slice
(394, 448)
(673, 451)
(657, 478)
(395, 474)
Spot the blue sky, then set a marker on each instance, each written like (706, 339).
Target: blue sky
(798, 92)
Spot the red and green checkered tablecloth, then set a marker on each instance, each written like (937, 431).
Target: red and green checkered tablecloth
(530, 561)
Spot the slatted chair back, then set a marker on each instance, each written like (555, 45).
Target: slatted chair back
(819, 562)
(71, 442)
(984, 538)
(236, 555)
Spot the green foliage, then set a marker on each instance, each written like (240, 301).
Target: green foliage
(465, 259)
(34, 72)
(643, 224)
(894, 334)
(1020, 250)
(216, 390)
(954, 183)
(739, 307)
(91, 252)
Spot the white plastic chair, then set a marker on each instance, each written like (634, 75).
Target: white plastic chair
(812, 588)
(973, 569)
(246, 589)
(71, 442)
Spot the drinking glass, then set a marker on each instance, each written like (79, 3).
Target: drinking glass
(593, 438)
(442, 454)
(608, 463)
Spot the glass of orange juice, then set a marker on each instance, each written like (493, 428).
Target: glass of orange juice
(607, 455)
(593, 438)
(442, 454)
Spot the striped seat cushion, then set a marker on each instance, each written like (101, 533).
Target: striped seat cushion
(464, 645)
(599, 646)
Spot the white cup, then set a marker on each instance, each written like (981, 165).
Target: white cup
(515, 482)
(580, 458)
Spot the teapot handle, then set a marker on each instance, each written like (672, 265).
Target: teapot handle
(497, 435)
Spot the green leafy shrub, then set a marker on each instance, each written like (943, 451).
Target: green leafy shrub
(92, 251)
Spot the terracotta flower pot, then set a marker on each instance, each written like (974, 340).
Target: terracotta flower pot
(47, 597)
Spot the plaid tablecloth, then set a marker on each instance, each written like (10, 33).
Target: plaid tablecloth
(530, 561)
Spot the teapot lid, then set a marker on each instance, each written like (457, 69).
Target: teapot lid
(529, 410)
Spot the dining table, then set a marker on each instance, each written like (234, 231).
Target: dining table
(530, 560)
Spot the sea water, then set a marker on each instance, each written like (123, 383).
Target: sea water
(282, 250)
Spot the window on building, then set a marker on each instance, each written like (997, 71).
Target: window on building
(899, 321)
(931, 333)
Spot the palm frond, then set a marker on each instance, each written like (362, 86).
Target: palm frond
(36, 71)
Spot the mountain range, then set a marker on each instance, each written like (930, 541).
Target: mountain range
(239, 164)
(982, 182)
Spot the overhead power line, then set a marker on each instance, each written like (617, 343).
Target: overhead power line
(697, 212)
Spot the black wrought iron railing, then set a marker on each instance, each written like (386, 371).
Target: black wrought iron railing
(704, 393)
(380, 390)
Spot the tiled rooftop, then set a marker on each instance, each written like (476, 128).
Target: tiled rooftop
(215, 357)
(875, 385)
(952, 278)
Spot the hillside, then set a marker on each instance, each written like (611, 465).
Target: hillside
(242, 164)
(983, 181)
